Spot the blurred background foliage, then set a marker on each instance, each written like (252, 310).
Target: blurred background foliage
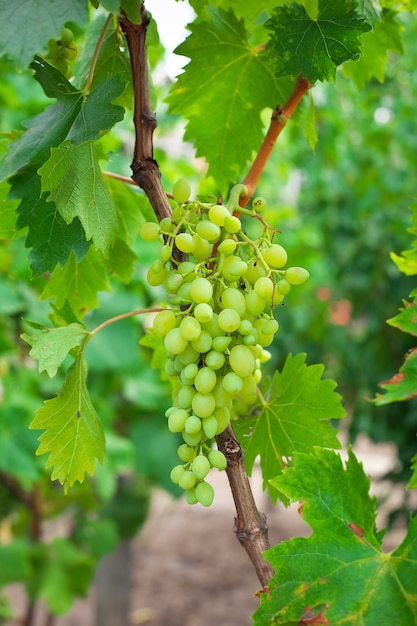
(341, 208)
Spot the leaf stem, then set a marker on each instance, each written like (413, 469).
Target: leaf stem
(279, 118)
(97, 52)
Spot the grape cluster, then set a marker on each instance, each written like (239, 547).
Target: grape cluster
(219, 324)
(62, 51)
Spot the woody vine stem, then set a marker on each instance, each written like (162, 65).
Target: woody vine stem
(250, 525)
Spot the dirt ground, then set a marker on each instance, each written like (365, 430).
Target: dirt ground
(188, 567)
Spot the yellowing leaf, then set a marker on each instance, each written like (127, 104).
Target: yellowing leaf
(73, 434)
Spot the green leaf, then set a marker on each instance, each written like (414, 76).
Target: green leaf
(132, 206)
(72, 176)
(228, 84)
(50, 238)
(23, 36)
(51, 346)
(413, 480)
(15, 565)
(294, 417)
(403, 385)
(386, 35)
(121, 261)
(47, 129)
(406, 320)
(73, 434)
(98, 114)
(407, 262)
(338, 575)
(78, 283)
(314, 47)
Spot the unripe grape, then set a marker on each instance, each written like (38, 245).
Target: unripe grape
(263, 339)
(201, 290)
(150, 231)
(217, 459)
(215, 359)
(186, 453)
(155, 279)
(200, 467)
(297, 275)
(277, 298)
(232, 224)
(245, 327)
(221, 343)
(190, 328)
(202, 248)
(173, 281)
(205, 380)
(204, 493)
(170, 368)
(203, 404)
(166, 253)
(255, 270)
(275, 255)
(192, 425)
(241, 360)
(174, 342)
(185, 242)
(187, 480)
(233, 268)
(164, 321)
(192, 440)
(229, 320)
(189, 373)
(186, 268)
(210, 426)
(176, 473)
(185, 396)
(190, 496)
(170, 410)
(217, 214)
(181, 190)
(228, 246)
(258, 204)
(177, 420)
(67, 36)
(270, 327)
(283, 286)
(222, 415)
(203, 343)
(232, 383)
(234, 299)
(264, 288)
(203, 312)
(189, 355)
(166, 225)
(208, 230)
(212, 326)
(254, 304)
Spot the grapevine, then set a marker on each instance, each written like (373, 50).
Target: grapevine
(221, 318)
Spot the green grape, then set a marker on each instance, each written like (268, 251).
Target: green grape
(228, 246)
(181, 191)
(200, 467)
(222, 415)
(186, 268)
(241, 360)
(185, 396)
(177, 420)
(258, 204)
(53, 50)
(203, 343)
(277, 298)
(166, 225)
(170, 368)
(275, 255)
(156, 278)
(204, 493)
(233, 268)
(232, 224)
(203, 404)
(187, 480)
(190, 496)
(174, 342)
(217, 214)
(203, 312)
(245, 328)
(189, 355)
(229, 320)
(234, 299)
(202, 248)
(217, 459)
(297, 275)
(185, 242)
(212, 326)
(205, 380)
(150, 231)
(270, 327)
(263, 339)
(170, 410)
(283, 286)
(184, 292)
(232, 383)
(189, 372)
(264, 288)
(192, 440)
(192, 425)
(166, 253)
(210, 426)
(67, 36)
(255, 270)
(73, 52)
(254, 304)
(221, 343)
(186, 453)
(164, 321)
(215, 360)
(176, 473)
(201, 290)
(173, 281)
(190, 328)
(248, 393)
(208, 230)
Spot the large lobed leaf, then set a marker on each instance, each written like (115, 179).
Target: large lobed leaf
(222, 92)
(339, 575)
(314, 47)
(294, 418)
(73, 434)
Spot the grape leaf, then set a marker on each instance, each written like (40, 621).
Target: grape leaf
(73, 434)
(121, 260)
(386, 35)
(47, 129)
(406, 320)
(314, 47)
(72, 176)
(51, 345)
(78, 283)
(232, 130)
(338, 575)
(294, 418)
(50, 238)
(133, 209)
(28, 25)
(403, 385)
